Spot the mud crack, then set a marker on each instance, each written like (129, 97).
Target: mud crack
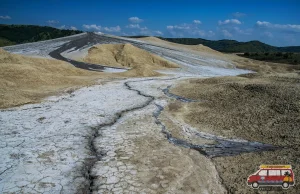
(180, 98)
(96, 130)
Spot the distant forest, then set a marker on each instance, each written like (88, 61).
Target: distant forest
(276, 57)
(17, 34)
(231, 46)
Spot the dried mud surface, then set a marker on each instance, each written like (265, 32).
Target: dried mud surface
(171, 134)
(255, 107)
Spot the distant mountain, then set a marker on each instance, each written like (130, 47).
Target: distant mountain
(233, 46)
(17, 34)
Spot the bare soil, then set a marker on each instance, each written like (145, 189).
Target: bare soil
(261, 107)
(140, 62)
(27, 80)
(197, 48)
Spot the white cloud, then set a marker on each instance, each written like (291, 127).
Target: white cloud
(238, 14)
(133, 26)
(265, 24)
(112, 29)
(148, 32)
(67, 27)
(226, 34)
(179, 27)
(210, 33)
(145, 32)
(138, 29)
(244, 32)
(135, 20)
(197, 22)
(73, 28)
(200, 32)
(5, 17)
(52, 22)
(229, 21)
(268, 34)
(285, 27)
(158, 32)
(143, 28)
(100, 28)
(91, 27)
(191, 30)
(136, 26)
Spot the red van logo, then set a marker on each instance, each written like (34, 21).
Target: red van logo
(272, 175)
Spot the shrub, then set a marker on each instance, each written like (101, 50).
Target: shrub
(246, 54)
(285, 56)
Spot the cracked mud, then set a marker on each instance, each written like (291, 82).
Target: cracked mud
(115, 137)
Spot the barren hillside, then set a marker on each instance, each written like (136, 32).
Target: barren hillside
(26, 79)
(198, 48)
(139, 62)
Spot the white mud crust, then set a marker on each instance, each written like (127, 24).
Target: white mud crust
(45, 147)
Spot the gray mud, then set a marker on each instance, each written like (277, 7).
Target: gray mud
(222, 147)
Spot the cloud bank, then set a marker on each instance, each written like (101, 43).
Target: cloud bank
(229, 21)
(94, 27)
(135, 20)
(5, 17)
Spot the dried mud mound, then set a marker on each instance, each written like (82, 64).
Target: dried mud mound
(199, 48)
(140, 62)
(263, 108)
(25, 79)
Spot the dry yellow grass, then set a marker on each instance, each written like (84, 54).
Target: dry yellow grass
(140, 62)
(27, 80)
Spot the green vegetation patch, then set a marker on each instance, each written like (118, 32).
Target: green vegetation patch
(17, 34)
(276, 57)
(233, 46)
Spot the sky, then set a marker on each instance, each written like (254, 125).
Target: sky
(275, 22)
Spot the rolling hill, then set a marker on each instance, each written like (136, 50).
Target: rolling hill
(231, 46)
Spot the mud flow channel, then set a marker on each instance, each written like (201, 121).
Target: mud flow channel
(221, 147)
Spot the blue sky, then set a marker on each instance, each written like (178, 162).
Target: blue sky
(275, 22)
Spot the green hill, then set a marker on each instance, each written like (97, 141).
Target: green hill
(17, 34)
(233, 46)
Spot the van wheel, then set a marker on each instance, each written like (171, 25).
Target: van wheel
(285, 185)
(255, 185)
